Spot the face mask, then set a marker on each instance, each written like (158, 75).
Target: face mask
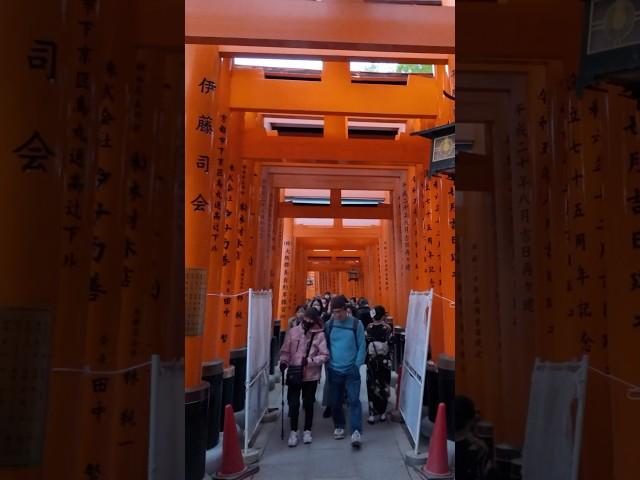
(317, 307)
(372, 312)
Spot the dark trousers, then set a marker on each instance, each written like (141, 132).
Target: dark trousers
(378, 380)
(308, 390)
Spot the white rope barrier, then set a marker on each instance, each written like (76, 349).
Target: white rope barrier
(87, 370)
(633, 393)
(452, 303)
(227, 294)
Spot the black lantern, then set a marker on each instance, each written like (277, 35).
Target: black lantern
(611, 45)
(442, 158)
(353, 275)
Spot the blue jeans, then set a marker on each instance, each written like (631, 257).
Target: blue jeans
(338, 383)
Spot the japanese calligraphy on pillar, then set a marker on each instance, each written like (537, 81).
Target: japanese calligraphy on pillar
(219, 198)
(543, 226)
(285, 272)
(80, 140)
(522, 217)
(406, 242)
(477, 303)
(432, 233)
(108, 231)
(460, 321)
(630, 225)
(139, 171)
(587, 225)
(416, 219)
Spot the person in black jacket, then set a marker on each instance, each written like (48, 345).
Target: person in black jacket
(472, 454)
(363, 313)
(378, 335)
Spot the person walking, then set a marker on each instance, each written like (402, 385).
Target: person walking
(346, 343)
(303, 353)
(297, 318)
(363, 313)
(378, 336)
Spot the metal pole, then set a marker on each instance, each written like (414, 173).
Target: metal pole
(153, 414)
(577, 444)
(248, 373)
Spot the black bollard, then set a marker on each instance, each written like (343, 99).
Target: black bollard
(447, 389)
(275, 347)
(212, 374)
(275, 355)
(238, 358)
(276, 328)
(228, 382)
(399, 336)
(505, 454)
(431, 396)
(196, 403)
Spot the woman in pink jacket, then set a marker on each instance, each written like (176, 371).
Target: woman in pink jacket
(304, 347)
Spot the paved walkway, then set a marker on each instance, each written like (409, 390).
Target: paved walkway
(380, 457)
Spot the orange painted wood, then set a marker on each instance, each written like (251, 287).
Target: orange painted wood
(32, 209)
(199, 141)
(335, 95)
(355, 25)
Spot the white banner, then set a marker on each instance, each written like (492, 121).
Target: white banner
(258, 357)
(166, 429)
(414, 363)
(554, 434)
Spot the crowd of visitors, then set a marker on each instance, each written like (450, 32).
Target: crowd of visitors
(341, 335)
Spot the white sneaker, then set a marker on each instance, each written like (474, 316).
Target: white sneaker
(371, 419)
(383, 417)
(356, 439)
(293, 439)
(338, 433)
(306, 436)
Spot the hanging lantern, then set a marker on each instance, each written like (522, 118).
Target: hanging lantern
(442, 158)
(353, 275)
(611, 45)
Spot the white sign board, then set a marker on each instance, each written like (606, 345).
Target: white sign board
(258, 358)
(414, 363)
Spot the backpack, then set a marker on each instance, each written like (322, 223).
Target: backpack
(330, 327)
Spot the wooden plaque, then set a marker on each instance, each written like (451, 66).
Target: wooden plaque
(25, 350)
(195, 297)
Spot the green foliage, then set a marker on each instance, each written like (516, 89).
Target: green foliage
(414, 68)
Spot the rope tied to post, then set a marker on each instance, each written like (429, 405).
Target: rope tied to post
(452, 303)
(633, 392)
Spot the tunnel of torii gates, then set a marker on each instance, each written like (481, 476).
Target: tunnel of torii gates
(241, 234)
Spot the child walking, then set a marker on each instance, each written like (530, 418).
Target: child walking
(378, 336)
(303, 353)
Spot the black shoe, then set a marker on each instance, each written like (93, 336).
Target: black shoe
(326, 413)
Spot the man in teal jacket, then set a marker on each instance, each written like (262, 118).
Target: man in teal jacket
(345, 339)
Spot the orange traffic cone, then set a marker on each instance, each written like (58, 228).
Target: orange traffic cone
(437, 465)
(233, 467)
